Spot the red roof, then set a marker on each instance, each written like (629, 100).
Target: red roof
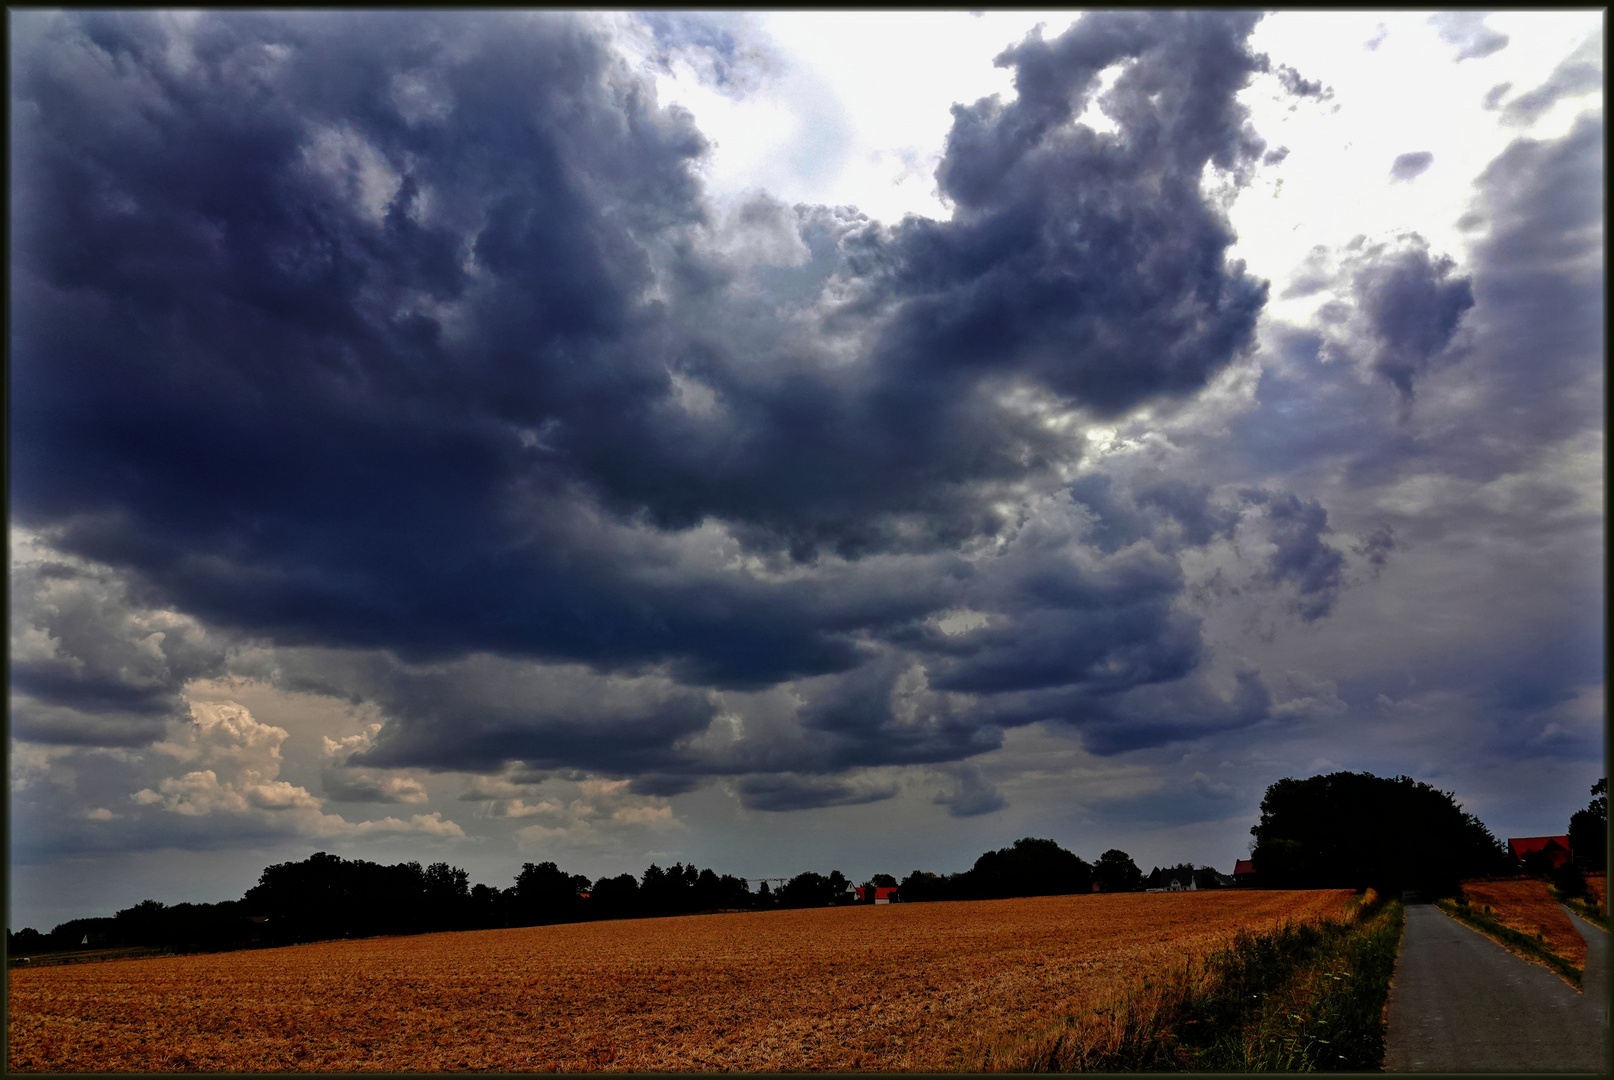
(1527, 845)
(879, 892)
(1243, 866)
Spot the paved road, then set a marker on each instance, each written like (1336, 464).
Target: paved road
(1459, 1002)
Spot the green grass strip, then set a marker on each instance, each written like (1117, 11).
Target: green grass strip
(1511, 939)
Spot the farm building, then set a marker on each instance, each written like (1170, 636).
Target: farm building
(1244, 872)
(1184, 879)
(877, 894)
(1553, 849)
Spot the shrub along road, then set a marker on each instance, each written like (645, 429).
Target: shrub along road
(1459, 1002)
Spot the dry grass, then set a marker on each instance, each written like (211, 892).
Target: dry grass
(920, 986)
(1526, 905)
(1597, 888)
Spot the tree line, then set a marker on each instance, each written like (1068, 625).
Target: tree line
(1340, 830)
(326, 896)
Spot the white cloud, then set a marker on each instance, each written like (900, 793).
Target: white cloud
(240, 761)
(600, 813)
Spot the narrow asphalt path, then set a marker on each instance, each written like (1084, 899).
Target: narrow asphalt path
(1459, 1002)
(1595, 977)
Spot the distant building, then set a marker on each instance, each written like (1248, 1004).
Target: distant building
(1244, 872)
(877, 894)
(1553, 849)
(1179, 879)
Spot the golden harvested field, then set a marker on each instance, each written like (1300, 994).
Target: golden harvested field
(915, 986)
(1525, 905)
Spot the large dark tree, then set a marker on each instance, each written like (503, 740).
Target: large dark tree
(1030, 868)
(1588, 830)
(1357, 830)
(1116, 872)
(546, 894)
(807, 890)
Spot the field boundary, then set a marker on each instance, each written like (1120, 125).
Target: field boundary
(90, 956)
(1303, 997)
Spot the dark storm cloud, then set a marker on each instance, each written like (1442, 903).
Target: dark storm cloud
(410, 344)
(662, 785)
(971, 794)
(321, 367)
(1411, 165)
(1413, 305)
(783, 791)
(1539, 282)
(1296, 527)
(1156, 714)
(1467, 30)
(1124, 515)
(1377, 547)
(1152, 716)
(860, 719)
(480, 713)
(1199, 519)
(1137, 300)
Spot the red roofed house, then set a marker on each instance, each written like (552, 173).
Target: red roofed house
(1244, 872)
(1555, 849)
(879, 894)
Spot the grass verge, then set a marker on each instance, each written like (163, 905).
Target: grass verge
(1300, 999)
(1524, 945)
(1585, 909)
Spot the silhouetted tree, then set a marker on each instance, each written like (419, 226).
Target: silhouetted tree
(1029, 868)
(25, 942)
(1357, 830)
(487, 907)
(1116, 872)
(615, 898)
(922, 885)
(448, 896)
(546, 894)
(1588, 830)
(806, 890)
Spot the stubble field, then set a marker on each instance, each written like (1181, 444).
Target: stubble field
(1526, 905)
(919, 986)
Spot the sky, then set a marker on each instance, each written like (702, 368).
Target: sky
(789, 441)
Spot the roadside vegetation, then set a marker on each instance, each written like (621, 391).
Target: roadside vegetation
(1484, 918)
(1302, 998)
(1586, 909)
